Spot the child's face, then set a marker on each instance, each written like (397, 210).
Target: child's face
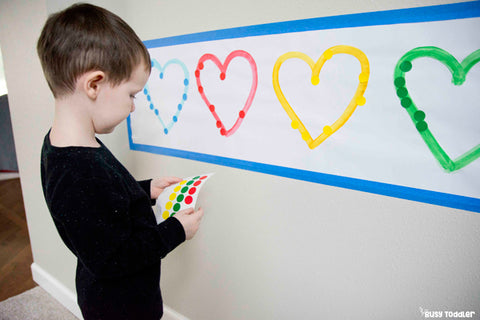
(115, 103)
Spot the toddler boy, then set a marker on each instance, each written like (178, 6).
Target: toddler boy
(94, 64)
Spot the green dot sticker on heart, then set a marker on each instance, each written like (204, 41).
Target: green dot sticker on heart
(459, 73)
(180, 196)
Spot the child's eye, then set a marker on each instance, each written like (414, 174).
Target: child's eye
(133, 96)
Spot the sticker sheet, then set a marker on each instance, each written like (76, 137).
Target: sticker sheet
(180, 196)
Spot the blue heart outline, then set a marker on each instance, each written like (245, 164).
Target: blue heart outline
(186, 82)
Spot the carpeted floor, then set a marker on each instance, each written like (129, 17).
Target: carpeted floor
(34, 304)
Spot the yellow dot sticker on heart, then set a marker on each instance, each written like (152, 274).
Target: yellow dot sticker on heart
(316, 67)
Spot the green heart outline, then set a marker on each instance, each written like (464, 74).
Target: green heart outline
(459, 72)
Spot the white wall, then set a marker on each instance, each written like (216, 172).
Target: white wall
(3, 82)
(31, 111)
(269, 247)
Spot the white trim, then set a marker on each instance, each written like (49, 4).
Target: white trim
(9, 175)
(69, 299)
(55, 288)
(170, 314)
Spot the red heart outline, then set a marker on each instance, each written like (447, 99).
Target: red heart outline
(223, 71)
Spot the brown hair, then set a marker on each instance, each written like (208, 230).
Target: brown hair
(85, 37)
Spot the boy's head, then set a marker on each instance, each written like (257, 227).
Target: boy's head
(83, 38)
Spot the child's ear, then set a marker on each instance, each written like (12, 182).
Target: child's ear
(92, 83)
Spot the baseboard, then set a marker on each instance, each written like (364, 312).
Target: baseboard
(69, 299)
(170, 314)
(9, 175)
(56, 289)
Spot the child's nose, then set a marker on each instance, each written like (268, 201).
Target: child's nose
(133, 108)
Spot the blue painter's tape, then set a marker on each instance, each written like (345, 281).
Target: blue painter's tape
(412, 15)
(432, 197)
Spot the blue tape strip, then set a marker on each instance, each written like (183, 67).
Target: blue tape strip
(432, 197)
(412, 15)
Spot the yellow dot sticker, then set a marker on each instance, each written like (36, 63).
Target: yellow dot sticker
(327, 130)
(183, 182)
(361, 100)
(172, 196)
(169, 205)
(165, 215)
(328, 54)
(305, 136)
(177, 188)
(363, 77)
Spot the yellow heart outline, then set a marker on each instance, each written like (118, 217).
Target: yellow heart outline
(358, 98)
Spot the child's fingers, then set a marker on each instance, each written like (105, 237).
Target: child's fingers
(171, 180)
(199, 213)
(186, 211)
(190, 221)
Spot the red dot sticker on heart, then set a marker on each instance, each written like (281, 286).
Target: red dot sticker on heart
(223, 74)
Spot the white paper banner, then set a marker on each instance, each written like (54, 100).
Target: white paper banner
(384, 102)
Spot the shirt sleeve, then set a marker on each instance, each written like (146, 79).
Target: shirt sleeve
(145, 184)
(107, 234)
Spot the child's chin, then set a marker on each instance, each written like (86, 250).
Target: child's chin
(106, 130)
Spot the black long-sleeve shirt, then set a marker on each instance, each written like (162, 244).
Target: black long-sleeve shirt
(105, 218)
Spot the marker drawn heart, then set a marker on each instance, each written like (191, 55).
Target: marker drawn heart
(358, 98)
(183, 98)
(223, 71)
(459, 72)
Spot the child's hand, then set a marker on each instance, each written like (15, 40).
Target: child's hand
(158, 185)
(190, 221)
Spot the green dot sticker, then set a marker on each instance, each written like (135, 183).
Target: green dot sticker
(402, 92)
(419, 115)
(406, 66)
(399, 82)
(406, 102)
(421, 126)
(459, 72)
